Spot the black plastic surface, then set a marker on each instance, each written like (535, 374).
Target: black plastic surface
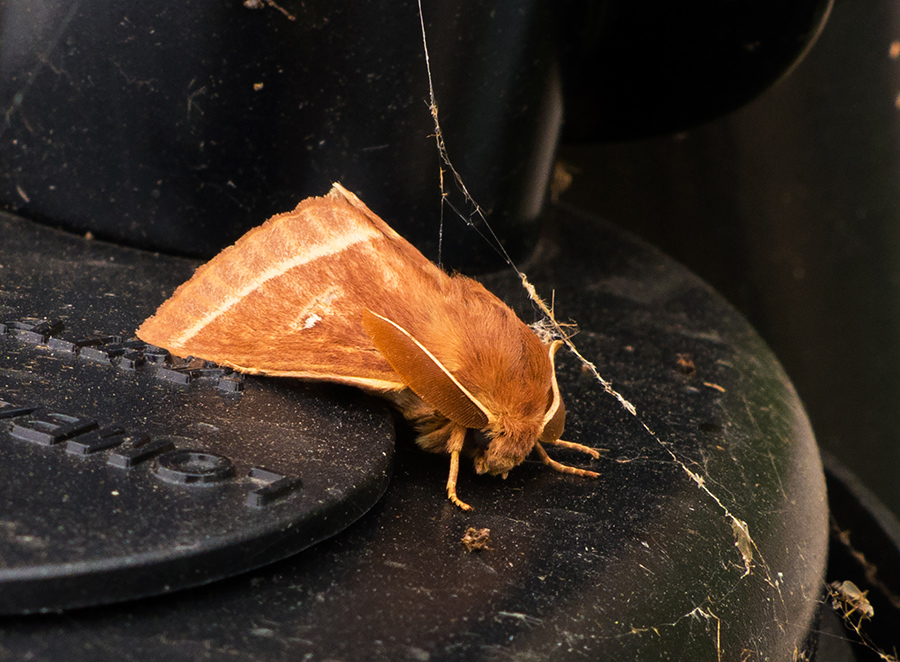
(179, 127)
(646, 562)
(632, 70)
(126, 472)
(250, 106)
(789, 209)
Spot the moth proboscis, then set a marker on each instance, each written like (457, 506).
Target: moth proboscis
(329, 292)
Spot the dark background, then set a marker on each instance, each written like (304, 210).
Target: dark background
(790, 207)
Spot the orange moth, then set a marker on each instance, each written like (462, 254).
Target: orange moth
(329, 292)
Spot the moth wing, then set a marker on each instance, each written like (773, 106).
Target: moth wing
(424, 373)
(287, 298)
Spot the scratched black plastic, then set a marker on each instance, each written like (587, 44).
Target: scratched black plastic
(640, 564)
(127, 472)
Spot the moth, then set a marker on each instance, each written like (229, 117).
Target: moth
(329, 292)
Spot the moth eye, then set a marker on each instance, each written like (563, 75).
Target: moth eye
(478, 438)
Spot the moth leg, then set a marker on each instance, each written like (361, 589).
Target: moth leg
(451, 481)
(563, 468)
(593, 452)
(457, 438)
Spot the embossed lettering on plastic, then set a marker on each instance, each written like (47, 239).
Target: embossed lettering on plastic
(105, 351)
(47, 427)
(145, 449)
(75, 346)
(10, 410)
(124, 354)
(276, 486)
(185, 371)
(127, 450)
(31, 329)
(186, 466)
(102, 439)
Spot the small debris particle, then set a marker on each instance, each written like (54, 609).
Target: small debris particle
(743, 542)
(849, 599)
(686, 364)
(716, 387)
(476, 539)
(260, 4)
(525, 618)
(258, 86)
(894, 51)
(563, 174)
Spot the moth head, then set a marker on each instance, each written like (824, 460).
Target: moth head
(501, 447)
(496, 441)
(507, 441)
